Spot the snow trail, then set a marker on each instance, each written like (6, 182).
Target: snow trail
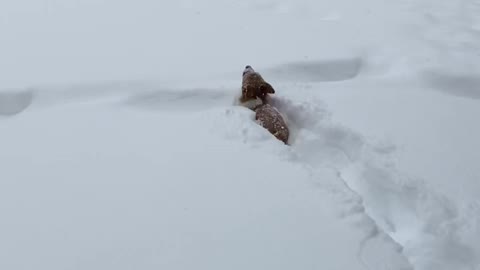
(433, 231)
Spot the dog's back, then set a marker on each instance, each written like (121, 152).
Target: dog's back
(270, 118)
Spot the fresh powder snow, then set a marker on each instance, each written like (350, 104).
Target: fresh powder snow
(123, 146)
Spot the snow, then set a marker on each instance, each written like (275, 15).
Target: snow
(123, 146)
(121, 187)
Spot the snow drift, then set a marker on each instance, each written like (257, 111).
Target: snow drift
(122, 148)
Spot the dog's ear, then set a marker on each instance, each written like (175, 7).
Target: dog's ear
(267, 88)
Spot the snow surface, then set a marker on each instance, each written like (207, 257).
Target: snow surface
(122, 146)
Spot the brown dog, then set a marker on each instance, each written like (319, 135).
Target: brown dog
(255, 91)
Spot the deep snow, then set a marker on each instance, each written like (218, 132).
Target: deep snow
(122, 147)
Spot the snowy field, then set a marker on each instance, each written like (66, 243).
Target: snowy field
(121, 146)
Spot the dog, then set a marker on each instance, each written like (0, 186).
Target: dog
(255, 96)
